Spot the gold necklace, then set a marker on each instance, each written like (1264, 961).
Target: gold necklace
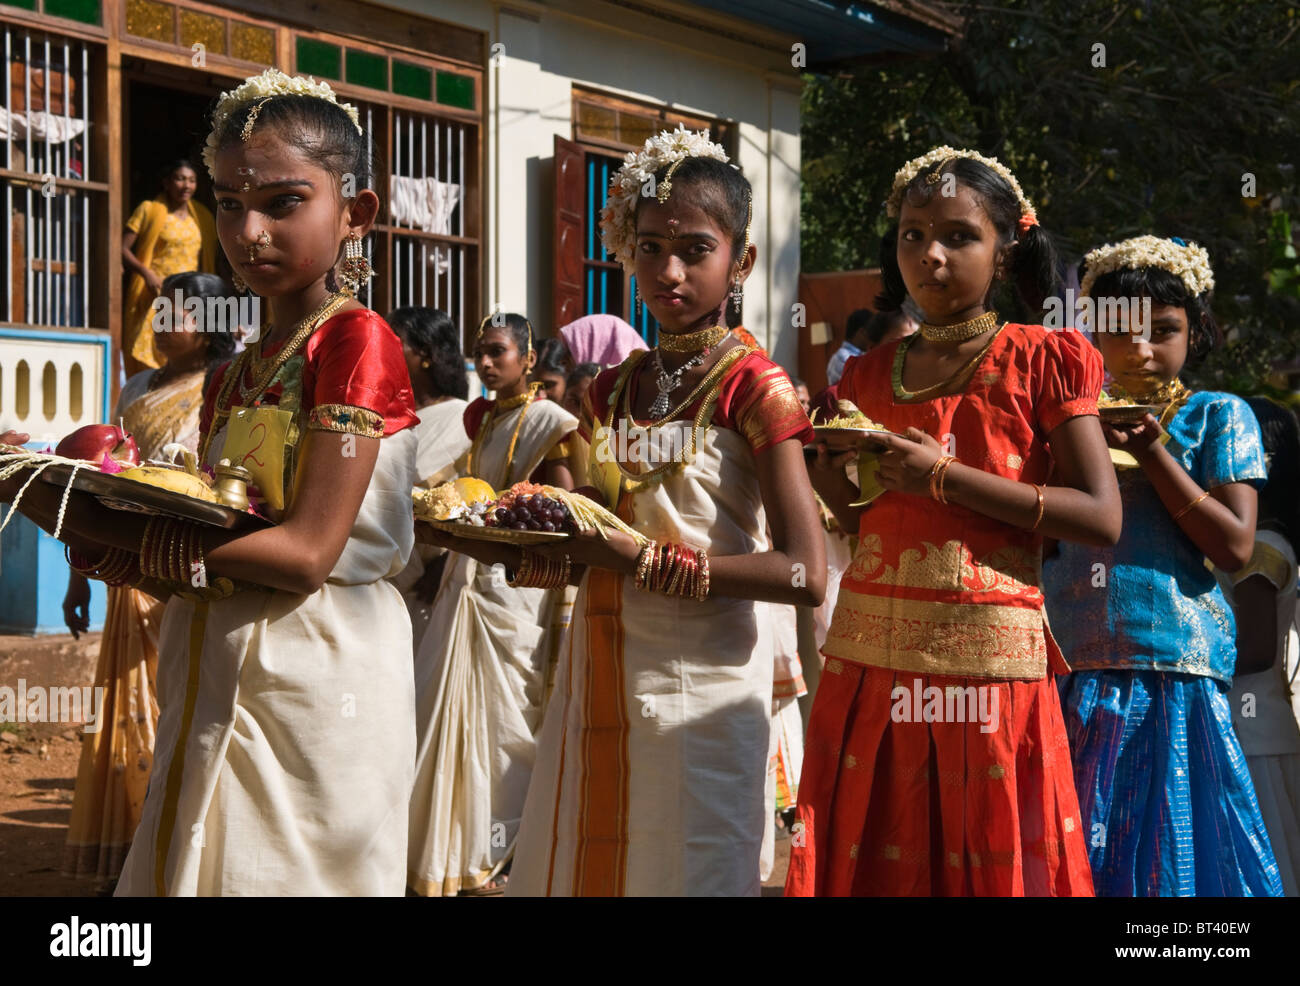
(509, 404)
(638, 482)
(960, 332)
(902, 393)
(235, 374)
(692, 342)
(265, 368)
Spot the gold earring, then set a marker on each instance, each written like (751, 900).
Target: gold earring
(355, 270)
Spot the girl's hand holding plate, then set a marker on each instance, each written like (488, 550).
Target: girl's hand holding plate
(1139, 439)
(906, 461)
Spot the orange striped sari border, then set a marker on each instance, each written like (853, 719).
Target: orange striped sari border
(559, 774)
(601, 852)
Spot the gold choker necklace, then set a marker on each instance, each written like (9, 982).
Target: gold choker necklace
(692, 342)
(960, 332)
(510, 403)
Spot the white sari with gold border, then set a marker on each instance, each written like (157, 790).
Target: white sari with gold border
(653, 758)
(285, 748)
(480, 678)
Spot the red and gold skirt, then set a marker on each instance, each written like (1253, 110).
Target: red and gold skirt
(894, 805)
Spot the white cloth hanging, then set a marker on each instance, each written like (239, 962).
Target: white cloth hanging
(43, 125)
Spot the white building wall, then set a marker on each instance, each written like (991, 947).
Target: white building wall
(545, 49)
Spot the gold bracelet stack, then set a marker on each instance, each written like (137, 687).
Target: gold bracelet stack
(115, 568)
(539, 572)
(1191, 505)
(937, 473)
(674, 570)
(172, 551)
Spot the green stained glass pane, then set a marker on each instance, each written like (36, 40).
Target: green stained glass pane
(367, 69)
(319, 58)
(412, 80)
(456, 90)
(22, 4)
(86, 11)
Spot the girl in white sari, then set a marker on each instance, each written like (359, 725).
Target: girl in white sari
(431, 345)
(652, 761)
(286, 741)
(480, 671)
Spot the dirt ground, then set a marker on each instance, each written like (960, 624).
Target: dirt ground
(38, 768)
(38, 771)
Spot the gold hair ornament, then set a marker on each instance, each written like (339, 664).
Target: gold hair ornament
(944, 156)
(667, 149)
(258, 89)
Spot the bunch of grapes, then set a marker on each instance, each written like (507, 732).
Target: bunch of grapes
(531, 512)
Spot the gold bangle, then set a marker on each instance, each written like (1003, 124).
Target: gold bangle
(144, 547)
(161, 541)
(643, 564)
(936, 470)
(522, 572)
(702, 590)
(675, 572)
(174, 536)
(1192, 504)
(149, 547)
(943, 477)
(1038, 517)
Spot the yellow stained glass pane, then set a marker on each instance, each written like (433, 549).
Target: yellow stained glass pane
(635, 129)
(204, 29)
(252, 44)
(597, 122)
(149, 19)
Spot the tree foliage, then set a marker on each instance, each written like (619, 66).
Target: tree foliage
(1119, 118)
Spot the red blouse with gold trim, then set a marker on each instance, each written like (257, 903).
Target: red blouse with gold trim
(350, 376)
(942, 589)
(755, 398)
(353, 361)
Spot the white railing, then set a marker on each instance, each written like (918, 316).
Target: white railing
(427, 188)
(51, 383)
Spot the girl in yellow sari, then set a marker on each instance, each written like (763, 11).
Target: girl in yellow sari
(157, 407)
(167, 235)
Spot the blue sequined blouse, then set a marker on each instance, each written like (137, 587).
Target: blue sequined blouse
(1153, 603)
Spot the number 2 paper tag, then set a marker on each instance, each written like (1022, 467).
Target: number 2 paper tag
(255, 439)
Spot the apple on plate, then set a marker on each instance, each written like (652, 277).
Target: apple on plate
(96, 442)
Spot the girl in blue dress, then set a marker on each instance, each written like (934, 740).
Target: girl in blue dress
(1166, 798)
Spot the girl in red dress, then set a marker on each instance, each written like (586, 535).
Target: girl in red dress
(936, 760)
